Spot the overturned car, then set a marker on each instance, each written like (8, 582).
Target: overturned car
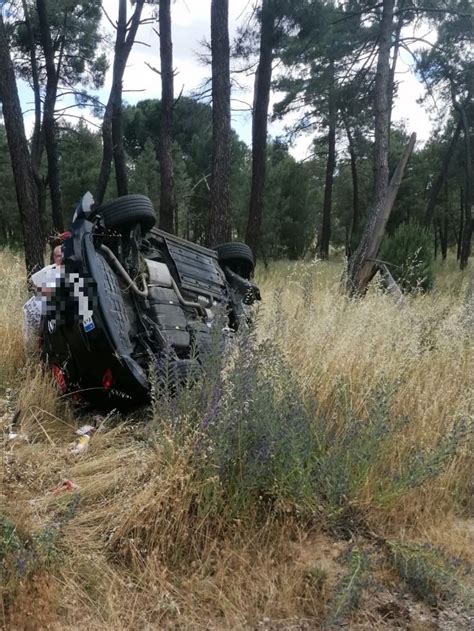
(132, 302)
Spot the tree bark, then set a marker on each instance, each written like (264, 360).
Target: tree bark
(444, 237)
(112, 136)
(20, 159)
(37, 143)
(443, 227)
(120, 160)
(325, 232)
(382, 106)
(461, 223)
(107, 152)
(167, 194)
(118, 150)
(219, 217)
(469, 201)
(49, 123)
(360, 270)
(375, 230)
(438, 185)
(393, 67)
(354, 228)
(36, 140)
(263, 78)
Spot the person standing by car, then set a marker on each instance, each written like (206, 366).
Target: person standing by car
(44, 282)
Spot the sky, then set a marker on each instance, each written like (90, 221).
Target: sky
(191, 26)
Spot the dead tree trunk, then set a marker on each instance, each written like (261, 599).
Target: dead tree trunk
(219, 216)
(438, 185)
(112, 136)
(263, 78)
(375, 229)
(391, 285)
(167, 194)
(325, 232)
(20, 159)
(360, 270)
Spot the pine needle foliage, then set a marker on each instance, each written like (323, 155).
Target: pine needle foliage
(409, 252)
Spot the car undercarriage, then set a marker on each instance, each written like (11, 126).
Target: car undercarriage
(135, 305)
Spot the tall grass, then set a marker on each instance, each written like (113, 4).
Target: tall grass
(13, 294)
(422, 353)
(238, 502)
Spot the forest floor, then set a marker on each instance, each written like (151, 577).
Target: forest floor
(322, 482)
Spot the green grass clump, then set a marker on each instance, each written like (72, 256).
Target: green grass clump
(349, 589)
(429, 574)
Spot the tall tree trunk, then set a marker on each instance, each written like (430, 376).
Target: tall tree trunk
(445, 232)
(263, 78)
(120, 160)
(461, 223)
(352, 238)
(49, 123)
(325, 232)
(36, 140)
(360, 269)
(107, 152)
(469, 203)
(393, 67)
(112, 136)
(167, 194)
(118, 150)
(37, 143)
(20, 159)
(219, 217)
(438, 185)
(443, 227)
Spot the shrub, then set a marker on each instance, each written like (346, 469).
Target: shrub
(427, 571)
(265, 445)
(261, 436)
(23, 554)
(349, 589)
(409, 252)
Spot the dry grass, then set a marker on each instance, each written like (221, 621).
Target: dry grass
(424, 350)
(148, 540)
(14, 293)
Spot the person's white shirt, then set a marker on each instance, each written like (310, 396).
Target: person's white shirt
(45, 282)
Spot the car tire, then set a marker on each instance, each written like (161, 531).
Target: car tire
(238, 257)
(127, 211)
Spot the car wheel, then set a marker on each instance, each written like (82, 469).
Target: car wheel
(127, 211)
(238, 257)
